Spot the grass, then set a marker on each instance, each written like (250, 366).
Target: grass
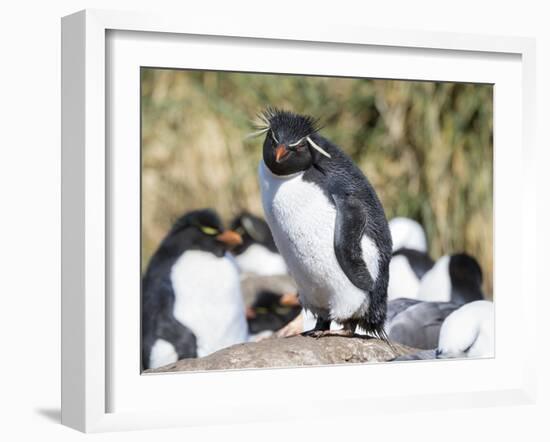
(427, 148)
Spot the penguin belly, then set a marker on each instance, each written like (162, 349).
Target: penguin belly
(208, 300)
(162, 353)
(302, 221)
(403, 282)
(259, 260)
(435, 285)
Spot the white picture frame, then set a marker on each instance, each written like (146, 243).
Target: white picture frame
(91, 368)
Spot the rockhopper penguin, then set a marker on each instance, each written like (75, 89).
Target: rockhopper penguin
(468, 332)
(454, 278)
(410, 260)
(328, 224)
(407, 267)
(406, 233)
(191, 298)
(416, 323)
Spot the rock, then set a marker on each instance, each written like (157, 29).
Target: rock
(294, 327)
(418, 356)
(293, 351)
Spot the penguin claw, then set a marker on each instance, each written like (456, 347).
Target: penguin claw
(321, 333)
(314, 333)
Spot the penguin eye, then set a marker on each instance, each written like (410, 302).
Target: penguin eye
(209, 230)
(298, 145)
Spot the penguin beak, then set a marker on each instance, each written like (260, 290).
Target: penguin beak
(230, 238)
(281, 153)
(289, 300)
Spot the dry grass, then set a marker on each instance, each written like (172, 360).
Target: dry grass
(426, 147)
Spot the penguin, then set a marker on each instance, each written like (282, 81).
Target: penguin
(416, 323)
(468, 332)
(453, 278)
(396, 306)
(191, 298)
(258, 253)
(407, 267)
(407, 233)
(328, 224)
(271, 311)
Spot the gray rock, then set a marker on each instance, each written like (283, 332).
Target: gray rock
(418, 356)
(295, 351)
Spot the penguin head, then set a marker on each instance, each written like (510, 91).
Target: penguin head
(253, 230)
(455, 278)
(201, 230)
(407, 233)
(290, 142)
(464, 269)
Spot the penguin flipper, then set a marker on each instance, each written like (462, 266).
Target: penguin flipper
(351, 219)
(158, 321)
(181, 337)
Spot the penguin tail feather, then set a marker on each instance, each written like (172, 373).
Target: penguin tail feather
(382, 335)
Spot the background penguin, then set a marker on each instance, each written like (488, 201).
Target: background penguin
(416, 323)
(407, 233)
(271, 311)
(328, 224)
(407, 267)
(257, 254)
(191, 298)
(468, 332)
(410, 260)
(455, 278)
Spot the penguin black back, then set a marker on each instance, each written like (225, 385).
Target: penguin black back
(362, 214)
(418, 324)
(252, 230)
(420, 262)
(466, 278)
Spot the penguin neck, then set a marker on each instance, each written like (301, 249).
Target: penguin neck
(280, 177)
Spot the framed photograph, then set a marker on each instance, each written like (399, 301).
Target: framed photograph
(252, 210)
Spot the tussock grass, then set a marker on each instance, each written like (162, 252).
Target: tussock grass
(426, 146)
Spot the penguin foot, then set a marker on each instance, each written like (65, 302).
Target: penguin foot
(314, 333)
(321, 333)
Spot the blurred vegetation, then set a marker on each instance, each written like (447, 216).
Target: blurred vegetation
(426, 147)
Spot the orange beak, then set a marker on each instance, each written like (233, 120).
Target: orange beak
(290, 300)
(230, 238)
(280, 153)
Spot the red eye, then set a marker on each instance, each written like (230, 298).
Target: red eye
(301, 146)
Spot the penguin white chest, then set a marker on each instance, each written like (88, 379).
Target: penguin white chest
(435, 285)
(208, 300)
(403, 282)
(302, 221)
(259, 260)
